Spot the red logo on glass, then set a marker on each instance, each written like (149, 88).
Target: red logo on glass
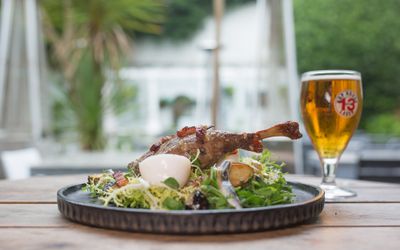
(346, 103)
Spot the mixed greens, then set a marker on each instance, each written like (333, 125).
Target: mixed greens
(265, 186)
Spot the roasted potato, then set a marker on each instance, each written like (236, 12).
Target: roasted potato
(240, 173)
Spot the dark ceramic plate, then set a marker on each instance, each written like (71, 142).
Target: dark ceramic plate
(78, 206)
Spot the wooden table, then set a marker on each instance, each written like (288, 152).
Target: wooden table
(29, 219)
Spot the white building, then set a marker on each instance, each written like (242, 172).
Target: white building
(253, 65)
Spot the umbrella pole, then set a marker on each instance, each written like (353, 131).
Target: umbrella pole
(218, 6)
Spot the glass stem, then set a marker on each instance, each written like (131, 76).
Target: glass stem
(329, 168)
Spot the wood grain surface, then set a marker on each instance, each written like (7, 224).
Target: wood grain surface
(29, 219)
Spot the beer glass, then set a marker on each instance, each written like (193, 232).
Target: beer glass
(331, 104)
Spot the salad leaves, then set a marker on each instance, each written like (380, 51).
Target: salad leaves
(210, 188)
(173, 204)
(266, 187)
(171, 182)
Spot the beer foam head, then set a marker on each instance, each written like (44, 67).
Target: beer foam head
(331, 75)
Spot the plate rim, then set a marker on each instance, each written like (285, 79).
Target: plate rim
(320, 195)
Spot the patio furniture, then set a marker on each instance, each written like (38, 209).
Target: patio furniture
(82, 163)
(16, 163)
(29, 218)
(380, 165)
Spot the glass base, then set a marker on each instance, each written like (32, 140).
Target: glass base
(333, 192)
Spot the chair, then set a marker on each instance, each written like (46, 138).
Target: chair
(380, 164)
(17, 163)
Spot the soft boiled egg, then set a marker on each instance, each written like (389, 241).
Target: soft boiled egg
(157, 168)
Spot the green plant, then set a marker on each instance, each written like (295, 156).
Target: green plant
(179, 106)
(186, 17)
(384, 124)
(87, 39)
(360, 34)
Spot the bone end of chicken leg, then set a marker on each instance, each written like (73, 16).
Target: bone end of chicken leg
(288, 129)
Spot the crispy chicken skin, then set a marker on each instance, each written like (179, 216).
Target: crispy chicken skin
(214, 144)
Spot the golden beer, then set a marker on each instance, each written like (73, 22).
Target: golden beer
(331, 108)
(331, 104)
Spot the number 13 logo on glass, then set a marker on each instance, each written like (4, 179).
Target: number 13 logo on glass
(346, 103)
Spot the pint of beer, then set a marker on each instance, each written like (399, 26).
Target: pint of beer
(331, 105)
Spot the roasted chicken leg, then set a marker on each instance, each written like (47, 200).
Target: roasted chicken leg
(214, 144)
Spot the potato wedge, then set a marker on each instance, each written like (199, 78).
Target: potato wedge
(240, 173)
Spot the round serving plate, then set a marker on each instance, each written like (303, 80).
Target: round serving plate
(78, 206)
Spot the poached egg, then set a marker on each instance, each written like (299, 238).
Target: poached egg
(157, 168)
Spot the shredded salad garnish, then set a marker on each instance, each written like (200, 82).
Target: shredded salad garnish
(266, 187)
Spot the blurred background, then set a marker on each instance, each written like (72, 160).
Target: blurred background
(89, 85)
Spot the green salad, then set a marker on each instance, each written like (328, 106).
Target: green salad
(257, 182)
